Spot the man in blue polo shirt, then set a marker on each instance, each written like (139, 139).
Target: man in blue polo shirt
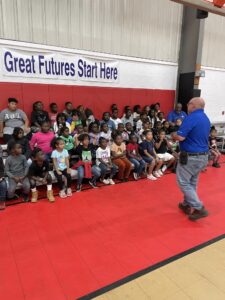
(177, 113)
(193, 136)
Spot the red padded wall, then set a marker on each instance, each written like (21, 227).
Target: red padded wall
(99, 99)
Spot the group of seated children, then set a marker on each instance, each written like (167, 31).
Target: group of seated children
(98, 150)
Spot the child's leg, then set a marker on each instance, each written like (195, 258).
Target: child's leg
(120, 164)
(3, 191)
(128, 168)
(171, 162)
(96, 172)
(114, 170)
(159, 164)
(68, 178)
(151, 164)
(34, 192)
(11, 188)
(50, 194)
(59, 180)
(136, 164)
(80, 175)
(103, 169)
(26, 189)
(141, 169)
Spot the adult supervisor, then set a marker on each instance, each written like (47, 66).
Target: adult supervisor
(193, 137)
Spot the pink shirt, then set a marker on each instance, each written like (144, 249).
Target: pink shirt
(42, 141)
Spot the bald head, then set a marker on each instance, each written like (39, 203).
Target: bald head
(196, 103)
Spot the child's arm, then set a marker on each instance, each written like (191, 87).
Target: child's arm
(114, 155)
(56, 166)
(68, 165)
(8, 172)
(130, 154)
(102, 161)
(147, 153)
(33, 141)
(158, 144)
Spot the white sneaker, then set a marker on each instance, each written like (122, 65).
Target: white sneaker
(135, 176)
(151, 177)
(105, 181)
(62, 194)
(160, 173)
(111, 182)
(156, 174)
(69, 192)
(164, 168)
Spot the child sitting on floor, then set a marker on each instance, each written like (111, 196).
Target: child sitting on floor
(16, 168)
(60, 157)
(135, 157)
(214, 152)
(86, 166)
(3, 185)
(39, 173)
(162, 145)
(103, 161)
(119, 158)
(149, 155)
(43, 140)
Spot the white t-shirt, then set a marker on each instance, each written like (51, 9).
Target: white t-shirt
(116, 121)
(103, 154)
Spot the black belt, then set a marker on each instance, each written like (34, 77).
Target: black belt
(197, 153)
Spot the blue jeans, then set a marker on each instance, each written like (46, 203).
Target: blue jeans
(105, 171)
(3, 190)
(187, 179)
(139, 165)
(96, 173)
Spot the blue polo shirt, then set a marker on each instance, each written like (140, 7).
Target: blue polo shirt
(195, 128)
(173, 116)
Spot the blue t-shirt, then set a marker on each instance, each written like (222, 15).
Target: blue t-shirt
(195, 128)
(110, 124)
(173, 116)
(60, 158)
(146, 145)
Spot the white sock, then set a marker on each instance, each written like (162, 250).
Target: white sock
(49, 187)
(34, 190)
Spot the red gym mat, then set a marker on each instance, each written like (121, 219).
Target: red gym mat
(80, 244)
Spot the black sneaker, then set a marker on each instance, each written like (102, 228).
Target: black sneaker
(198, 214)
(185, 208)
(15, 197)
(216, 165)
(79, 188)
(26, 198)
(93, 184)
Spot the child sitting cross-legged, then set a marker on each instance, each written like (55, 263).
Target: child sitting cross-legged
(150, 156)
(86, 167)
(135, 157)
(103, 160)
(60, 157)
(162, 146)
(16, 168)
(39, 173)
(119, 158)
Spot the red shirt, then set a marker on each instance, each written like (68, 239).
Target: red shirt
(133, 148)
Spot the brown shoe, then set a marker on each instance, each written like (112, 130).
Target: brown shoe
(34, 196)
(198, 214)
(50, 196)
(185, 208)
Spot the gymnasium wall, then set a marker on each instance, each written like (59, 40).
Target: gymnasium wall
(140, 81)
(144, 28)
